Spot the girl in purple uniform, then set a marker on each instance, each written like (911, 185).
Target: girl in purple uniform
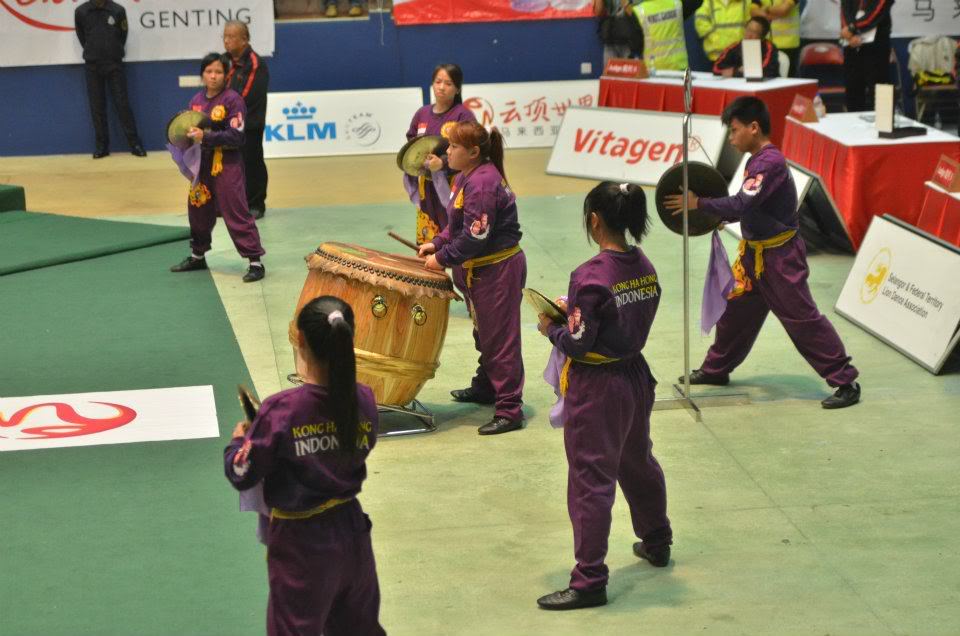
(429, 195)
(221, 187)
(608, 395)
(309, 447)
(482, 245)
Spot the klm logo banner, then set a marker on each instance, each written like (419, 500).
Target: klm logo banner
(325, 123)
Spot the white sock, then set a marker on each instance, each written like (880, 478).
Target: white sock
(256, 264)
(196, 257)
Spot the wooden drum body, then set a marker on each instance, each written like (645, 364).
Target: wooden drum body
(400, 310)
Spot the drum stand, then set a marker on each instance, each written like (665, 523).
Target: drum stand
(681, 392)
(415, 409)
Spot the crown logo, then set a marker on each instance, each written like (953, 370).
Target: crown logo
(299, 111)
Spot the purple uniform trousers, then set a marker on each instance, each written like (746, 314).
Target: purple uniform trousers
(224, 195)
(494, 299)
(782, 288)
(606, 434)
(322, 575)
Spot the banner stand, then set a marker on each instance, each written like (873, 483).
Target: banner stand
(682, 397)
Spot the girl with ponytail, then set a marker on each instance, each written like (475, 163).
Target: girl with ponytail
(608, 394)
(308, 445)
(482, 245)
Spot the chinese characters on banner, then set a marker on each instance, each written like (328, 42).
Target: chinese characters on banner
(528, 114)
(407, 12)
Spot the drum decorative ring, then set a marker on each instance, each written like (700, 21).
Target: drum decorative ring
(378, 307)
(419, 315)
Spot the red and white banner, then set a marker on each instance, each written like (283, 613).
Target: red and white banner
(528, 114)
(41, 32)
(107, 417)
(635, 146)
(407, 12)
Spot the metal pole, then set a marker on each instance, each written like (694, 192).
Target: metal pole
(688, 108)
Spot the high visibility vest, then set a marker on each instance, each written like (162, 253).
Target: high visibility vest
(664, 47)
(785, 31)
(721, 25)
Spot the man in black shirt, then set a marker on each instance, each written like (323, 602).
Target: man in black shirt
(102, 31)
(249, 76)
(865, 29)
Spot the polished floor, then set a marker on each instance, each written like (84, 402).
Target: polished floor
(788, 519)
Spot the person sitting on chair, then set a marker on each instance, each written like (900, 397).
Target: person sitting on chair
(730, 62)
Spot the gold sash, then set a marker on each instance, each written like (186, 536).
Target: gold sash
(489, 259)
(742, 283)
(276, 513)
(589, 358)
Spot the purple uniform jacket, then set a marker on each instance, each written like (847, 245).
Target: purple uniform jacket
(292, 449)
(427, 122)
(482, 217)
(228, 115)
(612, 301)
(766, 204)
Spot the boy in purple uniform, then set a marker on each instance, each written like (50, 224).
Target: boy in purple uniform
(771, 272)
(482, 245)
(309, 446)
(221, 189)
(436, 119)
(608, 395)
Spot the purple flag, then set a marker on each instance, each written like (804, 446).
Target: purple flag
(187, 160)
(413, 189)
(552, 375)
(716, 287)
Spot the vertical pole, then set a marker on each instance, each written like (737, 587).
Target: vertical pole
(687, 107)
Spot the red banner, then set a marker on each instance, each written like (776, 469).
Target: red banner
(406, 12)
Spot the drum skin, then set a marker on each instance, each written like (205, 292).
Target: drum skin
(400, 310)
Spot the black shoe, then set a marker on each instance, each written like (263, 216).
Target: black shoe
(255, 273)
(100, 153)
(257, 213)
(658, 558)
(846, 395)
(570, 598)
(190, 264)
(699, 377)
(500, 425)
(469, 395)
(138, 151)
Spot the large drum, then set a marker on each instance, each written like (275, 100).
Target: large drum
(400, 311)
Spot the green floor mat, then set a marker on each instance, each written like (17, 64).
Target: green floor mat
(29, 240)
(129, 538)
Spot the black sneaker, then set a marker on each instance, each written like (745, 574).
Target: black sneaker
(470, 396)
(190, 264)
(500, 425)
(846, 395)
(699, 377)
(570, 598)
(255, 273)
(658, 557)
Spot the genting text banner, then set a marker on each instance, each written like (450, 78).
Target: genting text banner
(40, 32)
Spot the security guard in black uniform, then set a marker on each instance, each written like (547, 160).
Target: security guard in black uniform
(249, 76)
(102, 31)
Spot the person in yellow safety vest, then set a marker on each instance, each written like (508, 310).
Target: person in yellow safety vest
(784, 16)
(664, 47)
(720, 23)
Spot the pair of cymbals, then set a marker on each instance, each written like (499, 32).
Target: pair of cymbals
(414, 153)
(180, 125)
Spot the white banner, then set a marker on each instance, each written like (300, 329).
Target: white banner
(904, 289)
(107, 417)
(630, 145)
(36, 33)
(323, 123)
(528, 114)
(911, 19)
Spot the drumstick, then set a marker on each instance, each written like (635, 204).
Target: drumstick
(409, 244)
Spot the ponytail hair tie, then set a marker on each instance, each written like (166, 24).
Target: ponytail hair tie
(623, 187)
(334, 316)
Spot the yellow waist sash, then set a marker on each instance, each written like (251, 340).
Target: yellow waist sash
(589, 358)
(276, 513)
(489, 259)
(742, 282)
